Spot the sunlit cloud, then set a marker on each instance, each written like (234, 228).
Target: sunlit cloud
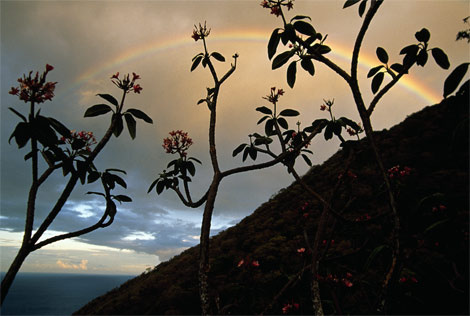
(81, 266)
(139, 236)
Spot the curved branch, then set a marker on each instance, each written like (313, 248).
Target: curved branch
(382, 92)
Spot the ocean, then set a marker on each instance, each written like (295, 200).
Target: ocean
(56, 294)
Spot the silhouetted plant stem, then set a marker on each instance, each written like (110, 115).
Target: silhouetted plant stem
(30, 242)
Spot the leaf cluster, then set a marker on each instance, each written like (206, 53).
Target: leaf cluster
(130, 115)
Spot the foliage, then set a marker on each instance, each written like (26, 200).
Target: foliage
(434, 238)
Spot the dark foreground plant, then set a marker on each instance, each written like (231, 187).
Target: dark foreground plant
(69, 151)
(307, 45)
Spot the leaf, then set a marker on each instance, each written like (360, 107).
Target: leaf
(122, 198)
(300, 17)
(118, 127)
(288, 34)
(131, 125)
(374, 70)
(304, 28)
(376, 82)
(362, 7)
(329, 130)
(373, 254)
(191, 168)
(21, 134)
(289, 112)
(43, 132)
(423, 35)
(19, 114)
(245, 153)
(154, 183)
(160, 187)
(201, 101)
(218, 56)
(196, 62)
(440, 57)
(436, 224)
(269, 127)
(422, 58)
(195, 159)
(140, 115)
(307, 64)
(307, 160)
(337, 128)
(97, 109)
(59, 127)
(263, 119)
(281, 59)
(291, 73)
(264, 110)
(398, 67)
(238, 149)
(283, 123)
(453, 80)
(115, 170)
(349, 3)
(109, 98)
(82, 170)
(382, 55)
(93, 176)
(273, 43)
(96, 193)
(252, 152)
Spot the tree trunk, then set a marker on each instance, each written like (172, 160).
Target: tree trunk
(12, 271)
(204, 246)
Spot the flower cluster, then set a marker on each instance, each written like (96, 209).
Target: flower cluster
(273, 97)
(304, 209)
(178, 142)
(327, 105)
(353, 132)
(349, 174)
(407, 280)
(397, 172)
(441, 208)
(126, 83)
(333, 278)
(200, 32)
(301, 250)
(290, 306)
(275, 6)
(87, 139)
(362, 218)
(248, 262)
(35, 88)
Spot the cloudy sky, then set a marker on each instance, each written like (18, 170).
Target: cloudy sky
(88, 41)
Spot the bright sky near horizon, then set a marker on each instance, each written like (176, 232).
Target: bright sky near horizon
(88, 41)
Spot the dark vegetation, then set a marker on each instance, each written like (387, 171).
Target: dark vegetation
(432, 276)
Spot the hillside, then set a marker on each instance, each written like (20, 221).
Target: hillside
(434, 211)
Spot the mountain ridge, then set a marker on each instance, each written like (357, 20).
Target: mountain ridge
(433, 207)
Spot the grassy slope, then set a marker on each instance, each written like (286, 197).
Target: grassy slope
(433, 142)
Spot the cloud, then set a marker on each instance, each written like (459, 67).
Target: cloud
(79, 38)
(71, 266)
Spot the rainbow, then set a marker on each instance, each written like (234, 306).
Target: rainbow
(245, 35)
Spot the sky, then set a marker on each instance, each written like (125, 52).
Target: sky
(88, 41)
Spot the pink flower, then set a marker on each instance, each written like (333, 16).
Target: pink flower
(322, 107)
(264, 4)
(442, 207)
(240, 263)
(301, 250)
(135, 76)
(195, 36)
(402, 280)
(255, 263)
(348, 275)
(49, 68)
(115, 76)
(347, 282)
(14, 91)
(137, 88)
(414, 280)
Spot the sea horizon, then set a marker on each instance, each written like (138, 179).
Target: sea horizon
(38, 293)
